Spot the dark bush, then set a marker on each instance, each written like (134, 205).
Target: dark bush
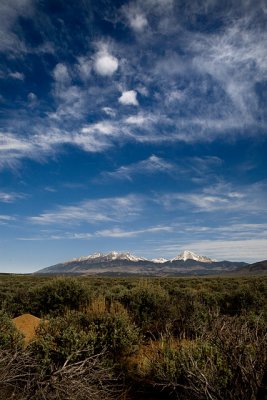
(150, 307)
(59, 295)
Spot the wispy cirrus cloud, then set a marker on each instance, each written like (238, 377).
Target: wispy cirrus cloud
(135, 17)
(45, 142)
(10, 197)
(141, 120)
(195, 169)
(151, 165)
(220, 197)
(236, 59)
(16, 75)
(228, 240)
(111, 233)
(249, 250)
(120, 233)
(92, 211)
(4, 219)
(10, 11)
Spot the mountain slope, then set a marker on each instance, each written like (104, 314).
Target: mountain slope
(255, 268)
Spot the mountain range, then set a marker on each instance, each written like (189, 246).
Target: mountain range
(115, 263)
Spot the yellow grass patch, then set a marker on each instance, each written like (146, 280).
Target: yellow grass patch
(27, 324)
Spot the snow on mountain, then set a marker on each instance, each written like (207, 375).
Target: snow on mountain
(114, 255)
(160, 260)
(189, 255)
(91, 257)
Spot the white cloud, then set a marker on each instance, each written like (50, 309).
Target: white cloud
(32, 98)
(44, 141)
(105, 64)
(196, 169)
(84, 67)
(175, 95)
(92, 211)
(135, 17)
(129, 98)
(96, 137)
(249, 250)
(236, 59)
(17, 75)
(137, 21)
(10, 11)
(139, 119)
(109, 111)
(10, 143)
(147, 121)
(4, 219)
(119, 233)
(152, 165)
(103, 127)
(142, 90)
(138, 12)
(91, 143)
(61, 74)
(9, 197)
(111, 233)
(222, 197)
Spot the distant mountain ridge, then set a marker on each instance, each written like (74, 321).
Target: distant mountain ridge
(116, 263)
(114, 255)
(257, 268)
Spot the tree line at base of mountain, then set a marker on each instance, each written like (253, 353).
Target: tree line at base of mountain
(116, 338)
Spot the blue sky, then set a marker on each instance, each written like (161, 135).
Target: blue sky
(132, 126)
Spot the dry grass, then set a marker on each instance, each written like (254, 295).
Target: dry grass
(102, 305)
(142, 361)
(27, 324)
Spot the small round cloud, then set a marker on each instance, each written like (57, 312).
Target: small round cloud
(129, 98)
(32, 98)
(61, 73)
(105, 64)
(138, 22)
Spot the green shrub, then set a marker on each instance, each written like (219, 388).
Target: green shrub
(78, 334)
(62, 337)
(114, 332)
(59, 295)
(10, 338)
(150, 307)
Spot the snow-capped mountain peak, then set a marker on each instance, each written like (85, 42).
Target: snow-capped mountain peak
(189, 255)
(113, 255)
(90, 257)
(160, 260)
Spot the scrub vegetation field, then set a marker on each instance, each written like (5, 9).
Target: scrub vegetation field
(132, 338)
